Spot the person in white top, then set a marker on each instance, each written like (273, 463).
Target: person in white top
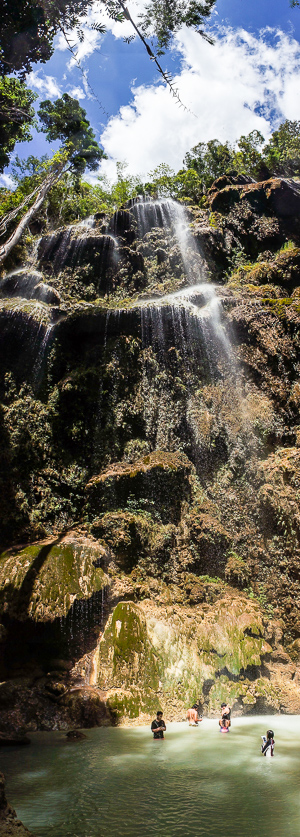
(267, 747)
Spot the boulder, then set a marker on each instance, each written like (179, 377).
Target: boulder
(155, 653)
(277, 196)
(75, 735)
(283, 197)
(13, 740)
(10, 826)
(42, 581)
(27, 284)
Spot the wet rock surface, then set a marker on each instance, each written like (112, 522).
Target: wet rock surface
(28, 285)
(13, 740)
(10, 825)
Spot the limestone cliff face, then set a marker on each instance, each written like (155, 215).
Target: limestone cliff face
(150, 464)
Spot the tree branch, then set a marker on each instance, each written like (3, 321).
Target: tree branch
(165, 75)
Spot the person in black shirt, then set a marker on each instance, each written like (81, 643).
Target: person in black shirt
(158, 726)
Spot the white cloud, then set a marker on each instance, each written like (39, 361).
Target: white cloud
(7, 182)
(84, 47)
(47, 85)
(77, 93)
(241, 83)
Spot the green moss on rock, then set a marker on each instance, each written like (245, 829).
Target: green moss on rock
(43, 580)
(127, 659)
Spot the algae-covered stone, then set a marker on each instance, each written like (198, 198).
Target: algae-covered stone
(232, 636)
(153, 655)
(127, 661)
(42, 581)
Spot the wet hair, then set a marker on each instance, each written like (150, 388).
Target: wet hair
(270, 733)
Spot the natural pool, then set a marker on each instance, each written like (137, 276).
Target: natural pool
(119, 783)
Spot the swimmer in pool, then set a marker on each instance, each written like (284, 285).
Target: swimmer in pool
(158, 726)
(192, 717)
(267, 747)
(225, 721)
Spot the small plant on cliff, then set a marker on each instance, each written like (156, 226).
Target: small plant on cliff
(262, 599)
(288, 245)
(146, 507)
(236, 570)
(237, 259)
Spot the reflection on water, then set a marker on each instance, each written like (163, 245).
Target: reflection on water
(195, 783)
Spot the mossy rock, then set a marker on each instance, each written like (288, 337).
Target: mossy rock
(278, 494)
(232, 639)
(130, 704)
(161, 477)
(150, 655)
(282, 270)
(236, 571)
(126, 657)
(226, 691)
(209, 537)
(135, 537)
(42, 581)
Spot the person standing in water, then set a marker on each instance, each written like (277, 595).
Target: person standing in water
(267, 747)
(192, 717)
(158, 726)
(225, 722)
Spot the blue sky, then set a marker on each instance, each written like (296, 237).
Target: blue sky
(256, 14)
(249, 79)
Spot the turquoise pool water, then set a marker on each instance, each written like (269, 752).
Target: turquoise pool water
(195, 783)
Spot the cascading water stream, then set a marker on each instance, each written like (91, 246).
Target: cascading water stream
(78, 245)
(170, 215)
(190, 320)
(195, 310)
(26, 334)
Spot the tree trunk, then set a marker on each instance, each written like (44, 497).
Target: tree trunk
(11, 242)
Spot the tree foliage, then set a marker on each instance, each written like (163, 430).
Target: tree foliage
(16, 116)
(27, 29)
(282, 153)
(116, 193)
(210, 160)
(248, 156)
(66, 120)
(165, 17)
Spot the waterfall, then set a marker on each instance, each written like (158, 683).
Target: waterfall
(87, 223)
(196, 313)
(70, 248)
(191, 318)
(186, 331)
(168, 214)
(25, 336)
